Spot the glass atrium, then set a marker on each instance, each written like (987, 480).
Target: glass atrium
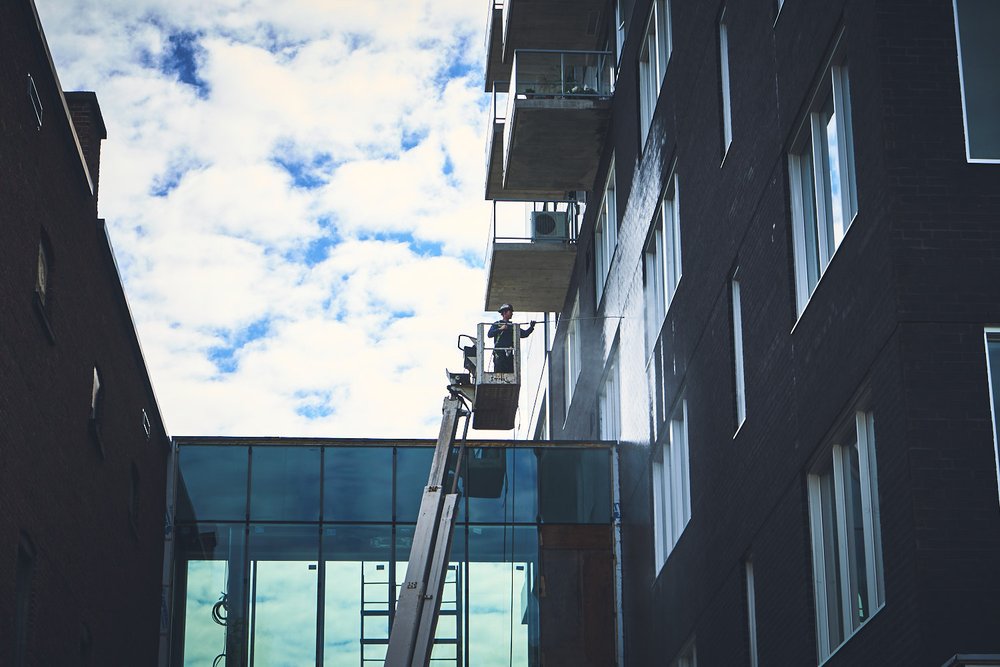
(290, 552)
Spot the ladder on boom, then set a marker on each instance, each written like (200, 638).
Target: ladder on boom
(493, 396)
(411, 638)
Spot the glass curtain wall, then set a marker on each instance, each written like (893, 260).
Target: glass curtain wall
(293, 554)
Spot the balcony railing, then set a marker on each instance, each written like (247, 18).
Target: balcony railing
(560, 74)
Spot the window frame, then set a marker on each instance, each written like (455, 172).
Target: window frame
(606, 233)
(725, 85)
(962, 87)
(671, 471)
(609, 400)
(739, 373)
(572, 357)
(652, 62)
(833, 535)
(661, 270)
(993, 333)
(815, 233)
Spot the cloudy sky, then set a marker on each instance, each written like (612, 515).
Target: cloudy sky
(295, 195)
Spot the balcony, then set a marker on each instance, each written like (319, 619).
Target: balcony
(561, 25)
(530, 258)
(548, 125)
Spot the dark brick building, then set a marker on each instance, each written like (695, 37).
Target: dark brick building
(83, 449)
(787, 273)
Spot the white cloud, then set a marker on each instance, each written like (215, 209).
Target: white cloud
(295, 194)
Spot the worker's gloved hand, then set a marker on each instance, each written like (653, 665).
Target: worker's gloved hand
(532, 324)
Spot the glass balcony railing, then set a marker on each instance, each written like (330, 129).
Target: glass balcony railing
(561, 74)
(534, 222)
(498, 114)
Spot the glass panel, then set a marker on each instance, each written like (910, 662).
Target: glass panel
(518, 498)
(836, 225)
(980, 58)
(574, 486)
(283, 595)
(503, 607)
(213, 483)
(357, 484)
(209, 585)
(808, 184)
(413, 466)
(285, 484)
(356, 595)
(993, 349)
(855, 521)
(831, 559)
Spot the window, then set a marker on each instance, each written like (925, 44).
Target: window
(821, 172)
(751, 611)
(993, 373)
(619, 28)
(36, 102)
(978, 62)
(42, 277)
(609, 401)
(572, 352)
(97, 410)
(846, 535)
(147, 428)
(96, 396)
(653, 57)
(687, 657)
(662, 263)
(671, 486)
(727, 110)
(606, 233)
(737, 314)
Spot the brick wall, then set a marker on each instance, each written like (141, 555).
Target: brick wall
(95, 586)
(895, 325)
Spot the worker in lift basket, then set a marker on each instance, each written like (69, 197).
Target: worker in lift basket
(502, 331)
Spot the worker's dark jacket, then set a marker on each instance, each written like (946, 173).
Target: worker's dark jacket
(505, 337)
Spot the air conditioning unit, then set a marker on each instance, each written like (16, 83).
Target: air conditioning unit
(549, 225)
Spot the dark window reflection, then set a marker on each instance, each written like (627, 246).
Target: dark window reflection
(357, 484)
(574, 485)
(213, 483)
(502, 485)
(413, 465)
(285, 484)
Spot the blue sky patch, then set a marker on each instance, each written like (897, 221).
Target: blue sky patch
(314, 404)
(420, 247)
(180, 58)
(412, 138)
(224, 356)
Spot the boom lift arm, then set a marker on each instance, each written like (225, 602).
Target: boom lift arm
(412, 635)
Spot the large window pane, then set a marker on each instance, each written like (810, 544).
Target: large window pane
(503, 596)
(413, 466)
(282, 595)
(574, 486)
(285, 484)
(209, 571)
(976, 24)
(357, 484)
(213, 483)
(518, 499)
(356, 594)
